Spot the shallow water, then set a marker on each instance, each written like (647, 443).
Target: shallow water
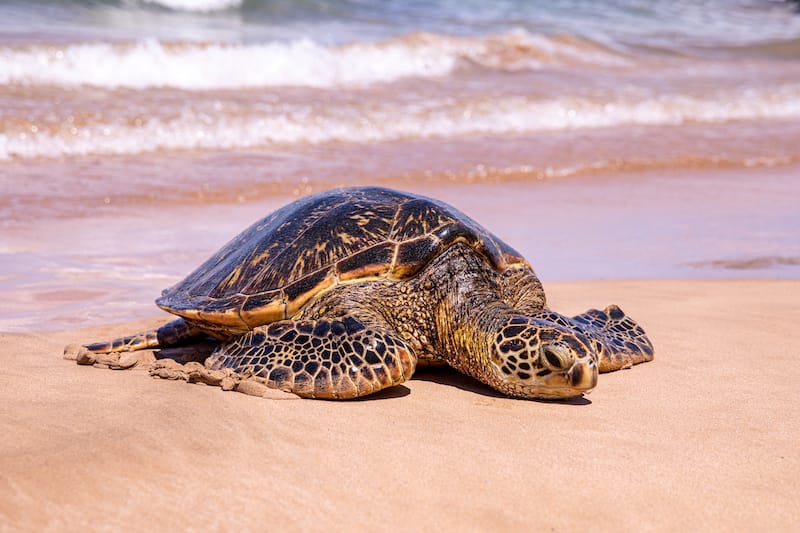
(684, 223)
(603, 139)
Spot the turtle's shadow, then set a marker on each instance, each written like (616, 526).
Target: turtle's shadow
(450, 377)
(398, 391)
(197, 352)
(453, 378)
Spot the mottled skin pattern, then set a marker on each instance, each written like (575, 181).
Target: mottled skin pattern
(342, 294)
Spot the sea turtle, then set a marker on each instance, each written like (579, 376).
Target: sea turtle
(343, 293)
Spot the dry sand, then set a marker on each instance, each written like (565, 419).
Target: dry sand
(704, 437)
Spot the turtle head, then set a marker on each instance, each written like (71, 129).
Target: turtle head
(533, 358)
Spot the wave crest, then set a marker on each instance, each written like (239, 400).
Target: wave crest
(198, 66)
(353, 123)
(202, 6)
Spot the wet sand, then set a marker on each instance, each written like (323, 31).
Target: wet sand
(704, 437)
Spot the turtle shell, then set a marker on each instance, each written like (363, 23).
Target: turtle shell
(276, 266)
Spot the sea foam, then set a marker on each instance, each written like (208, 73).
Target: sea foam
(202, 6)
(198, 66)
(284, 125)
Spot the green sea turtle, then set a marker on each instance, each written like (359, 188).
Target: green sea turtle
(343, 293)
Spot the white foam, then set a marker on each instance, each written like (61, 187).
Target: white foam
(202, 6)
(193, 129)
(151, 63)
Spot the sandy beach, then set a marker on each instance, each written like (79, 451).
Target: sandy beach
(703, 438)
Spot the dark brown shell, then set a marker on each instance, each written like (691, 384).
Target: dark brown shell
(274, 267)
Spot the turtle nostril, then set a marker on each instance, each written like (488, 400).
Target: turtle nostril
(583, 376)
(576, 374)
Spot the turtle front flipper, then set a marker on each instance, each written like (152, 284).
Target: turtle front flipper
(333, 359)
(620, 341)
(170, 334)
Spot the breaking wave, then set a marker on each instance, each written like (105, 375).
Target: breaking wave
(198, 66)
(202, 6)
(253, 127)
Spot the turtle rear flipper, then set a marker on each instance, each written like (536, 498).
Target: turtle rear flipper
(334, 359)
(171, 334)
(621, 342)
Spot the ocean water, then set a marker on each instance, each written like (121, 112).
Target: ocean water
(131, 77)
(116, 109)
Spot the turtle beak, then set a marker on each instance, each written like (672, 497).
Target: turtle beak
(583, 375)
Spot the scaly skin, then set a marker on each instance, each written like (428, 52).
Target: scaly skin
(461, 311)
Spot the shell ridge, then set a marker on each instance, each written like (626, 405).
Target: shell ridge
(395, 242)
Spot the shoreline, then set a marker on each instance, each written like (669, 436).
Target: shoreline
(110, 266)
(698, 438)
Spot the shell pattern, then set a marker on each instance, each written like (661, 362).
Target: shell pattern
(276, 266)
